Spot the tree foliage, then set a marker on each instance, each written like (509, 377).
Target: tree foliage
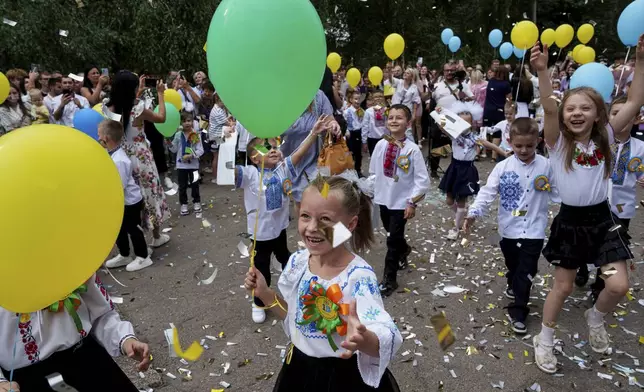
(158, 35)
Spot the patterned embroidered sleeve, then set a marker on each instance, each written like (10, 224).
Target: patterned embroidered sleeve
(288, 284)
(372, 314)
(421, 177)
(486, 195)
(108, 328)
(245, 176)
(348, 116)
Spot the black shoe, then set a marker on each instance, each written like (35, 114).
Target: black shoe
(403, 263)
(435, 175)
(509, 293)
(387, 287)
(519, 327)
(582, 278)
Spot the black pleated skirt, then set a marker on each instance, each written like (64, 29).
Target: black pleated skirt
(310, 374)
(584, 235)
(461, 179)
(86, 367)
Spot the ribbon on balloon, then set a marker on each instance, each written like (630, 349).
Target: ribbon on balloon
(71, 303)
(323, 309)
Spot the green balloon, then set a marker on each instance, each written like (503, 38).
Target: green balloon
(266, 59)
(172, 121)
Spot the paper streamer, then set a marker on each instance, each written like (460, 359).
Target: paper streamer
(191, 354)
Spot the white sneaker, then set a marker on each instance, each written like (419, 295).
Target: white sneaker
(214, 181)
(138, 264)
(597, 336)
(162, 240)
(259, 315)
(452, 234)
(197, 207)
(207, 170)
(543, 356)
(168, 183)
(184, 210)
(118, 261)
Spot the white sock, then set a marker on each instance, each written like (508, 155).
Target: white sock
(460, 216)
(547, 335)
(595, 317)
(453, 206)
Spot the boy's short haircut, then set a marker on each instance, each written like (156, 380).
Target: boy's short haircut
(54, 81)
(113, 130)
(400, 106)
(187, 116)
(524, 126)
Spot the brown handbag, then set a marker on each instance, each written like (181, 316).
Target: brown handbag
(336, 156)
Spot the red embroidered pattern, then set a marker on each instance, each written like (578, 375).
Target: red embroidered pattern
(390, 160)
(28, 340)
(584, 159)
(100, 286)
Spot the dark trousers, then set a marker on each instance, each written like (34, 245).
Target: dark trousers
(355, 145)
(264, 251)
(131, 226)
(394, 222)
(185, 178)
(522, 259)
(371, 144)
(437, 139)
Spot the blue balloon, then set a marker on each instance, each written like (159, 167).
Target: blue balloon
(454, 44)
(87, 120)
(495, 37)
(519, 52)
(446, 35)
(594, 75)
(506, 50)
(631, 23)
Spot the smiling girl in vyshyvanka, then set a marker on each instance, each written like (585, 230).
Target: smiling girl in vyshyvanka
(342, 337)
(461, 180)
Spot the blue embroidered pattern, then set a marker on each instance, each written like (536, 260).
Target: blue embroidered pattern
(273, 193)
(510, 190)
(467, 141)
(354, 269)
(365, 284)
(371, 314)
(620, 164)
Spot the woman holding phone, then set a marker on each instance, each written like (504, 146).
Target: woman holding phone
(93, 85)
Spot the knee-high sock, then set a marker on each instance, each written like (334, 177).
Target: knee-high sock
(460, 217)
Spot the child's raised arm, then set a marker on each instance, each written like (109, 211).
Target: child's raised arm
(321, 125)
(539, 61)
(635, 94)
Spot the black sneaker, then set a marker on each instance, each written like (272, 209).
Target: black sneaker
(519, 327)
(509, 293)
(582, 277)
(387, 287)
(403, 263)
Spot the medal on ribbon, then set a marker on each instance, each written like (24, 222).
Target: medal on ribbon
(360, 113)
(541, 183)
(287, 187)
(70, 304)
(635, 165)
(403, 162)
(322, 308)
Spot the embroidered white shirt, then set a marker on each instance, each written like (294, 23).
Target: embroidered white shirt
(374, 123)
(523, 209)
(358, 282)
(412, 184)
(273, 206)
(624, 181)
(464, 146)
(44, 333)
(354, 122)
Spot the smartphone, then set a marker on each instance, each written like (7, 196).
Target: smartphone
(66, 92)
(151, 82)
(105, 72)
(34, 67)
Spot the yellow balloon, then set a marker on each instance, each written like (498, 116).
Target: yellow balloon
(375, 76)
(575, 52)
(333, 61)
(394, 46)
(99, 108)
(565, 33)
(586, 55)
(524, 34)
(75, 206)
(548, 37)
(585, 33)
(353, 77)
(4, 88)
(172, 97)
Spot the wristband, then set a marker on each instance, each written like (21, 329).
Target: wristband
(412, 204)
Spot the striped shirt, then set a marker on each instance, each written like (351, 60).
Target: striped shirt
(218, 118)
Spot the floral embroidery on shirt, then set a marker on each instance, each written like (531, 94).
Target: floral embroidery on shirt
(467, 141)
(100, 286)
(371, 314)
(363, 285)
(31, 347)
(510, 190)
(582, 158)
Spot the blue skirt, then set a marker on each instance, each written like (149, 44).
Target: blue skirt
(461, 179)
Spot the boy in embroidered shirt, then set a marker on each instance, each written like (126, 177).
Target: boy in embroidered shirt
(401, 181)
(354, 115)
(273, 208)
(523, 184)
(187, 145)
(374, 122)
(110, 134)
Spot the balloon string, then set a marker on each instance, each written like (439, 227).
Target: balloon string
(519, 80)
(619, 83)
(259, 206)
(13, 358)
(556, 60)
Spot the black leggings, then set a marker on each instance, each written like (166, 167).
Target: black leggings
(264, 251)
(131, 226)
(355, 145)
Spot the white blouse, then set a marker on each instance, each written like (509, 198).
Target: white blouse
(43, 333)
(584, 185)
(406, 96)
(628, 158)
(374, 123)
(358, 282)
(464, 146)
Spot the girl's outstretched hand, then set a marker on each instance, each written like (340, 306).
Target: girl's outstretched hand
(538, 58)
(356, 331)
(321, 125)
